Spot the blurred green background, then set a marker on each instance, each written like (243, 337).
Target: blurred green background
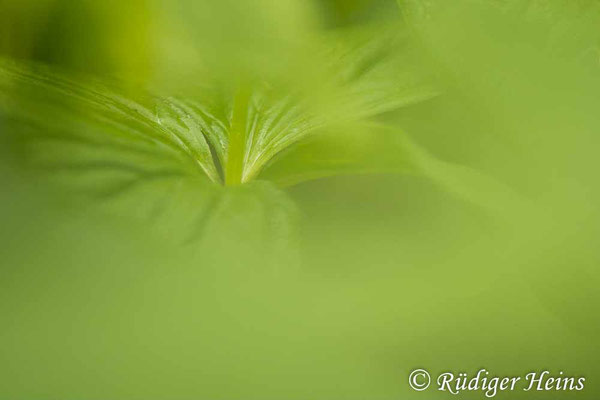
(383, 273)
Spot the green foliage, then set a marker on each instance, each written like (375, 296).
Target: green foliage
(112, 141)
(283, 199)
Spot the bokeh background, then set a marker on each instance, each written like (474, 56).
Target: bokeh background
(387, 272)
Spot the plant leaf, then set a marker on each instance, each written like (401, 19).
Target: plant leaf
(46, 107)
(375, 148)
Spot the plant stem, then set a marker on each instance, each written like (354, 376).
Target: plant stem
(237, 137)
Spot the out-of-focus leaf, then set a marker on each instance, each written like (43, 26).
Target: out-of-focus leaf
(375, 70)
(531, 69)
(374, 148)
(535, 89)
(258, 219)
(345, 151)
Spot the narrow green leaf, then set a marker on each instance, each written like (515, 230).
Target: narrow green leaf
(237, 138)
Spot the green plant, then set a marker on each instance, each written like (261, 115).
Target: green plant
(267, 274)
(142, 149)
